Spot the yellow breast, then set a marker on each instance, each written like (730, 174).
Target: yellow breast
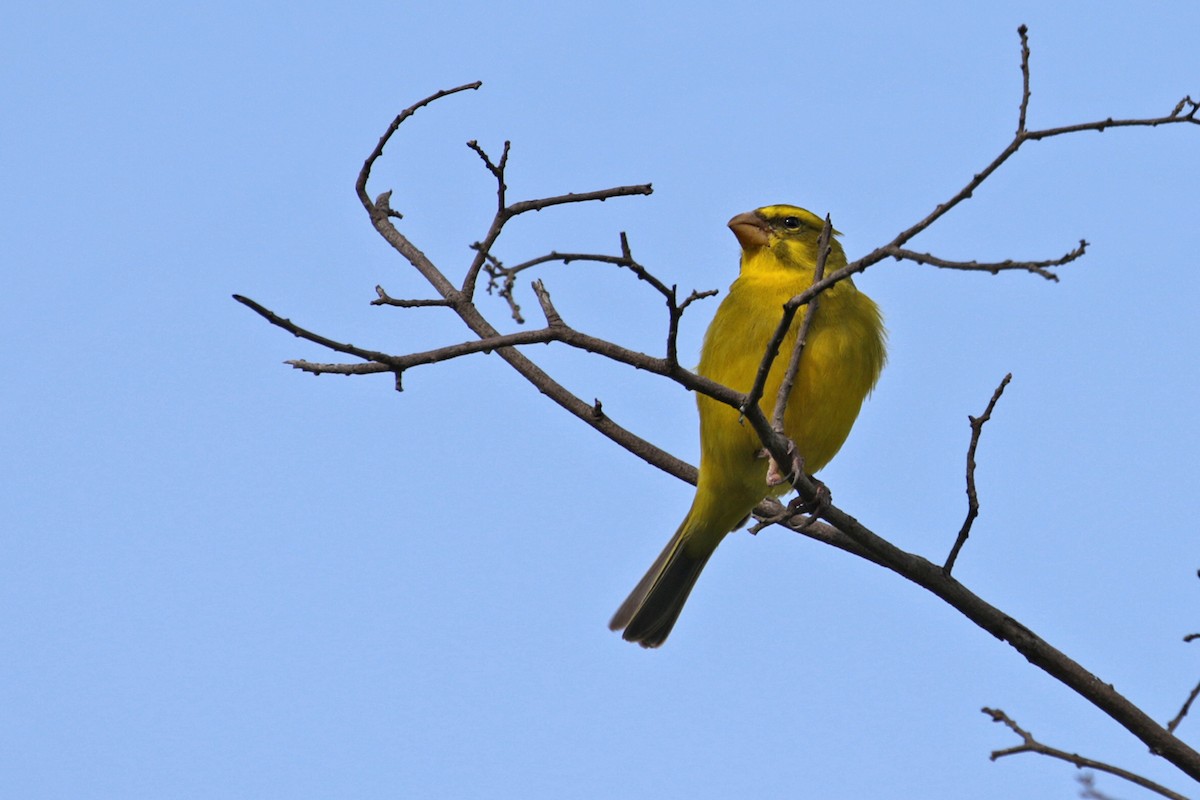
(842, 360)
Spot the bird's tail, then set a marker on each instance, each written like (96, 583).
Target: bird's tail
(650, 611)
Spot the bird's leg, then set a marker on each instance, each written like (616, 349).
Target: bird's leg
(776, 476)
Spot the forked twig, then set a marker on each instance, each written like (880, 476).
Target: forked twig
(1031, 745)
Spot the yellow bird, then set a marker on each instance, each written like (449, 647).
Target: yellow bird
(843, 356)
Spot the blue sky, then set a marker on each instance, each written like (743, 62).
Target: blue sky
(223, 578)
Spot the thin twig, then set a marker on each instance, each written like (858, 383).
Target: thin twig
(317, 368)
(1023, 32)
(793, 367)
(1023, 135)
(1183, 712)
(781, 329)
(675, 314)
(795, 463)
(553, 319)
(316, 338)
(506, 213)
(579, 197)
(1191, 698)
(977, 424)
(496, 169)
(360, 186)
(770, 354)
(1031, 745)
(384, 299)
(567, 258)
(1036, 267)
(624, 260)
(502, 281)
(695, 295)
(1088, 790)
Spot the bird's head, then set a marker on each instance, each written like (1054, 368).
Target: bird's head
(789, 232)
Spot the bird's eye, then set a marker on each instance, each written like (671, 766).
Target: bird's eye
(791, 223)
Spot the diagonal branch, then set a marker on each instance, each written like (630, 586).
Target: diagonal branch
(795, 462)
(793, 368)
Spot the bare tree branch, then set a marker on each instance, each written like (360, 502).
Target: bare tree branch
(360, 186)
(506, 212)
(381, 215)
(566, 258)
(498, 273)
(1032, 745)
(1036, 267)
(1185, 111)
(829, 524)
(316, 338)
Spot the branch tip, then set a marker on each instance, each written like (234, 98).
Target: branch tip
(364, 174)
(1031, 745)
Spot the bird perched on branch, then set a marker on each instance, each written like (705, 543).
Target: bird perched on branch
(843, 355)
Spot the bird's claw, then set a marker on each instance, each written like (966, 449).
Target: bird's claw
(815, 507)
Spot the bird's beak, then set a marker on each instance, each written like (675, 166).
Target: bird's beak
(750, 229)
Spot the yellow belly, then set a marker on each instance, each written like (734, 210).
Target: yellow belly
(842, 360)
